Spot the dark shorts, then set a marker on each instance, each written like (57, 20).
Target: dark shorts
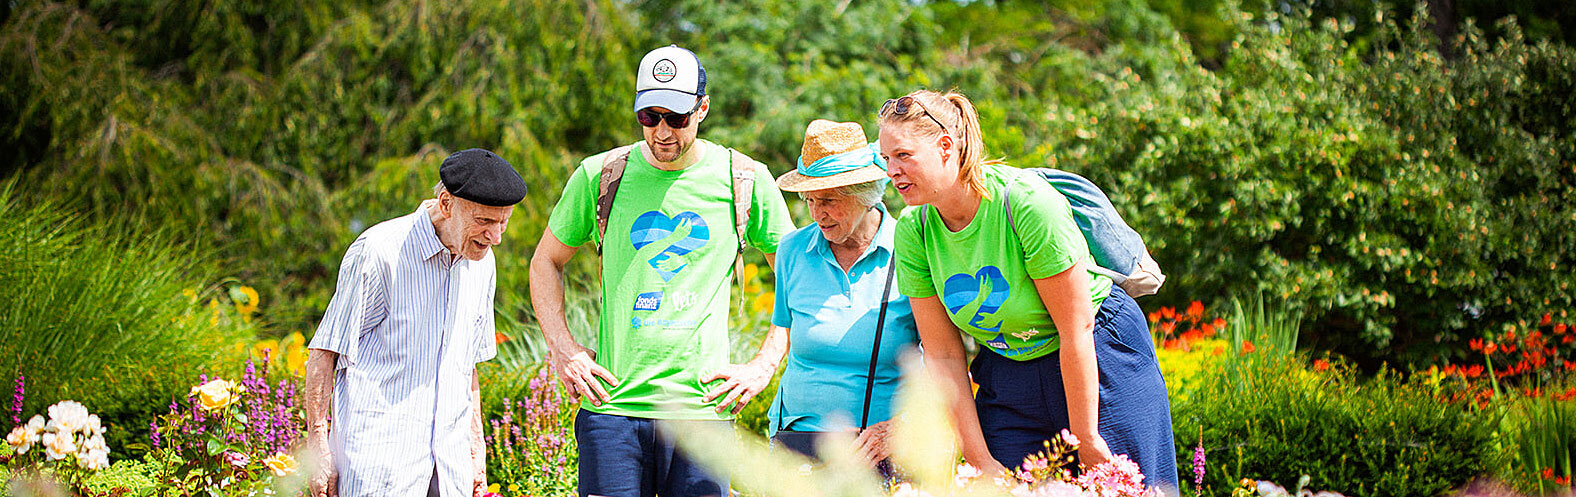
(621, 456)
(1022, 404)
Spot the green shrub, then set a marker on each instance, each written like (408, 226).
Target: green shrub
(1542, 437)
(1382, 436)
(100, 314)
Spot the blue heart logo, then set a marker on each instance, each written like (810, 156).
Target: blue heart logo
(665, 242)
(978, 295)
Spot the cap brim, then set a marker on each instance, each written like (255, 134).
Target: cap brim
(672, 100)
(792, 181)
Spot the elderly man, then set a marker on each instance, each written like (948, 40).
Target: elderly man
(683, 212)
(846, 324)
(396, 352)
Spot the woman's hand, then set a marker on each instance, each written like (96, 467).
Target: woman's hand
(872, 443)
(1092, 450)
(744, 382)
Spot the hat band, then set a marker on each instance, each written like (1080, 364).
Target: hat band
(842, 162)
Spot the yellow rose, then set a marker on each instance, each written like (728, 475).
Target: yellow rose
(281, 464)
(216, 394)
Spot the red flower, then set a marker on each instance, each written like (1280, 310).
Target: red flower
(1450, 369)
(1154, 317)
(1510, 335)
(1568, 339)
(1548, 473)
(1474, 371)
(1570, 366)
(1563, 480)
(1321, 365)
(1476, 344)
(1547, 318)
(1207, 329)
(500, 337)
(1532, 392)
(1489, 348)
(1195, 310)
(1568, 395)
(1559, 329)
(1247, 347)
(1172, 343)
(1168, 327)
(1167, 312)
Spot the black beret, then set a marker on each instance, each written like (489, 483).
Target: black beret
(483, 177)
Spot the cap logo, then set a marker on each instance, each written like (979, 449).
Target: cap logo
(664, 71)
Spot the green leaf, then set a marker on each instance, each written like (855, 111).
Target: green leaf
(216, 447)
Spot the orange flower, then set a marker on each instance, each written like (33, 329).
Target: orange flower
(499, 337)
(1559, 329)
(1532, 392)
(1172, 343)
(1476, 344)
(1168, 326)
(1220, 324)
(1489, 348)
(1222, 349)
(1547, 318)
(1474, 371)
(1247, 347)
(1320, 365)
(1548, 473)
(1167, 312)
(1154, 317)
(1450, 369)
(1195, 310)
(1207, 329)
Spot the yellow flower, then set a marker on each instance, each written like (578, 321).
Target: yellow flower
(763, 302)
(514, 488)
(216, 394)
(268, 348)
(281, 464)
(492, 489)
(295, 360)
(247, 304)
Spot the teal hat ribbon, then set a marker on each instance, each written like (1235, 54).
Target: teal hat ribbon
(843, 162)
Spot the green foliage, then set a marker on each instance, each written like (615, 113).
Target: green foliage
(1379, 436)
(1386, 194)
(133, 475)
(96, 313)
(1543, 431)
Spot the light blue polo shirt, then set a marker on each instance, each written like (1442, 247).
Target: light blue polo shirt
(831, 321)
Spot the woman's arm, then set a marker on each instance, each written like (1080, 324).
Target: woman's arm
(1066, 298)
(947, 363)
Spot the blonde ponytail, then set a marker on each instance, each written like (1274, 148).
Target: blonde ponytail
(957, 117)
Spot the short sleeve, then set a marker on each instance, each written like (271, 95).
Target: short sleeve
(358, 306)
(785, 266)
(573, 220)
(486, 345)
(913, 268)
(1051, 240)
(769, 218)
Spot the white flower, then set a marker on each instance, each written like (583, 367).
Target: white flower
(94, 426)
(95, 460)
(59, 445)
(68, 416)
(19, 439)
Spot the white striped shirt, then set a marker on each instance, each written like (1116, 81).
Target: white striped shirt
(409, 323)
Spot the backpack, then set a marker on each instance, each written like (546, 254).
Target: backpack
(1118, 251)
(742, 177)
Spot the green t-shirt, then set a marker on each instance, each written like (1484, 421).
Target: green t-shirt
(666, 270)
(984, 273)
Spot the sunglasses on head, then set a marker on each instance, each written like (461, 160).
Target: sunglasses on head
(900, 105)
(649, 118)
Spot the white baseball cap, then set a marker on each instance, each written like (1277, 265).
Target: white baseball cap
(672, 78)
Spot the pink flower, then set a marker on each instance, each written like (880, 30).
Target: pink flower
(1118, 477)
(236, 459)
(1070, 438)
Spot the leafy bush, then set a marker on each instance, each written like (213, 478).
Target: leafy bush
(104, 314)
(1379, 436)
(1389, 193)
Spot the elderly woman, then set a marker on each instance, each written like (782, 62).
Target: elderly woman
(847, 323)
(993, 252)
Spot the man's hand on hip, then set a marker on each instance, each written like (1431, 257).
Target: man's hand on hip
(578, 370)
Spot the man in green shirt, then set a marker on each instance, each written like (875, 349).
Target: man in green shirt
(667, 215)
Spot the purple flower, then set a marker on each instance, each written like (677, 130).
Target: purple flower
(1198, 467)
(16, 400)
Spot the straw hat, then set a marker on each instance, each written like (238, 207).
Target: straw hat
(823, 139)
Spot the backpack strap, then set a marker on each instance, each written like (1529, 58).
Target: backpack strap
(742, 170)
(612, 174)
(1006, 202)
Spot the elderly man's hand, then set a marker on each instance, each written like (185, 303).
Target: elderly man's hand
(325, 480)
(744, 382)
(578, 370)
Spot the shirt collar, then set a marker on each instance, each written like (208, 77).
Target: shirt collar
(885, 236)
(426, 237)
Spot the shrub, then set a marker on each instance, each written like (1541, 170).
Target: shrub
(1379, 436)
(104, 314)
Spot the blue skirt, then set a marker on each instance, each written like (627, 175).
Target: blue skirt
(1022, 404)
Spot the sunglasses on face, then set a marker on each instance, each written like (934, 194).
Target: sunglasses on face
(899, 106)
(649, 118)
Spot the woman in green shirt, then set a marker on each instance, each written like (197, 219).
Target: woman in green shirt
(1067, 350)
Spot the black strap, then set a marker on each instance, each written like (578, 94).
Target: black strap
(875, 350)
